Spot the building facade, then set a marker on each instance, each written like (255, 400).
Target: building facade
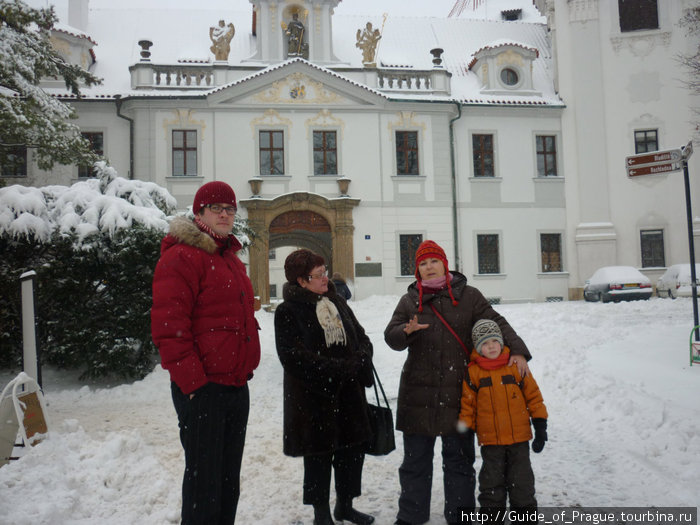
(503, 140)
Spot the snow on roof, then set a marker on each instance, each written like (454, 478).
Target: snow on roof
(69, 30)
(181, 36)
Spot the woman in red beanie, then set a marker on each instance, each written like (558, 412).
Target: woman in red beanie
(203, 324)
(433, 320)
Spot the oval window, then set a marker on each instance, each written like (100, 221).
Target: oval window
(509, 76)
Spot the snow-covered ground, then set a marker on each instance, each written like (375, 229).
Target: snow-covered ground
(624, 427)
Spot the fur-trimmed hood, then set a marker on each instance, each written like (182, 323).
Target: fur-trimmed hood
(185, 231)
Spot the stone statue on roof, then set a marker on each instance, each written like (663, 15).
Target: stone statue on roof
(221, 37)
(295, 38)
(367, 41)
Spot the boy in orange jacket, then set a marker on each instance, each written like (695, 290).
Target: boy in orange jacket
(498, 404)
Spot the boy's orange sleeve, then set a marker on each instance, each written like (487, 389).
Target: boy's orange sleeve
(467, 413)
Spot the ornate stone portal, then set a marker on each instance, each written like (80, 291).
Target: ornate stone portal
(304, 219)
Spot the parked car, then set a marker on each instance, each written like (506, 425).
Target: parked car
(675, 282)
(617, 283)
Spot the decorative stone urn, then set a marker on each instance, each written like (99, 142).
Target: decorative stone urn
(255, 186)
(437, 56)
(145, 46)
(343, 185)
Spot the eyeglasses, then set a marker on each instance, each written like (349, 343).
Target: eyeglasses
(217, 208)
(320, 275)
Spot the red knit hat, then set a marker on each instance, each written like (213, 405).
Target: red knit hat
(431, 250)
(216, 192)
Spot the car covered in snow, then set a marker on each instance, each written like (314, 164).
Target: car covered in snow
(675, 282)
(617, 283)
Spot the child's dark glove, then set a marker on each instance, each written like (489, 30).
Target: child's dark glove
(540, 425)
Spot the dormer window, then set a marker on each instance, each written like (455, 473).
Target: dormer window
(505, 68)
(509, 76)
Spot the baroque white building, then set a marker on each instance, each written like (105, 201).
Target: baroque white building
(503, 139)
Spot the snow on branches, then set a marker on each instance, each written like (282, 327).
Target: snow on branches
(101, 205)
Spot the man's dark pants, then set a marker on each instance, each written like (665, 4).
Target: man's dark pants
(212, 432)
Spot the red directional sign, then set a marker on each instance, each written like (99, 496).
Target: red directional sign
(652, 169)
(672, 155)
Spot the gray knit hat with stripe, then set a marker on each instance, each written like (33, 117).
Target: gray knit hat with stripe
(485, 329)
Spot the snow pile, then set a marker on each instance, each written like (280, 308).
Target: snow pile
(624, 427)
(103, 204)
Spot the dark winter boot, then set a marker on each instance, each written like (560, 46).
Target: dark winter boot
(322, 514)
(343, 511)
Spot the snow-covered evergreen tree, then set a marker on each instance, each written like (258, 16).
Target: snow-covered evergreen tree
(29, 116)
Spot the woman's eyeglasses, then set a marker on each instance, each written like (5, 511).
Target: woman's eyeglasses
(319, 275)
(216, 208)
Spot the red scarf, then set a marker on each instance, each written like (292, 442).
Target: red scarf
(492, 364)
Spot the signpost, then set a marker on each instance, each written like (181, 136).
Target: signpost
(653, 163)
(653, 169)
(663, 162)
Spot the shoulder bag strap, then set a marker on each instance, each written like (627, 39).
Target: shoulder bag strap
(459, 340)
(376, 392)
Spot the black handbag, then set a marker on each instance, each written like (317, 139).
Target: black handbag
(382, 422)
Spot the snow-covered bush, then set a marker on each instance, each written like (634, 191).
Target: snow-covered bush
(94, 246)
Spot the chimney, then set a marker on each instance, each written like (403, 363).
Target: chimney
(78, 14)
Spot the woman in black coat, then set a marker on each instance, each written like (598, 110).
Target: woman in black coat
(327, 361)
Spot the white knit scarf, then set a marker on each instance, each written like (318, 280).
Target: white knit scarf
(330, 321)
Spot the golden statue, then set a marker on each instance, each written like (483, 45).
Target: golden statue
(221, 37)
(367, 41)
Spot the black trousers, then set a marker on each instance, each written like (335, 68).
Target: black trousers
(212, 432)
(416, 476)
(506, 471)
(347, 465)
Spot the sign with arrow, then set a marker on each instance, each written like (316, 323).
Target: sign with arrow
(654, 163)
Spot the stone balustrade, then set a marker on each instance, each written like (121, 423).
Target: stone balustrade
(404, 80)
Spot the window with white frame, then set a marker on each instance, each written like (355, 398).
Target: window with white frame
(325, 153)
(546, 155)
(482, 151)
(408, 244)
(97, 145)
(646, 140)
(488, 257)
(638, 15)
(271, 145)
(13, 161)
(184, 152)
(407, 153)
(550, 249)
(652, 244)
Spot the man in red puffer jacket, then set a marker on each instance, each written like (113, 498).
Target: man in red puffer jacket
(203, 324)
